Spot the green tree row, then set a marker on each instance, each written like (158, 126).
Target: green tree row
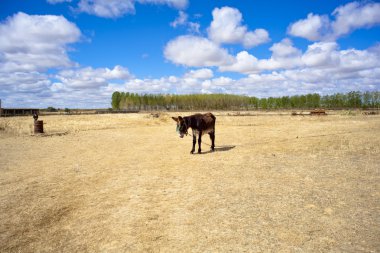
(134, 101)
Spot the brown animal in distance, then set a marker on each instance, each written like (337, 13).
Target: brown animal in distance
(200, 124)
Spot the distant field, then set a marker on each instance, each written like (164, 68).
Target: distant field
(127, 183)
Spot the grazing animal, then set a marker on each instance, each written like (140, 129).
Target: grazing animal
(200, 124)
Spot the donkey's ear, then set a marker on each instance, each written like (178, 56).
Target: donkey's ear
(175, 119)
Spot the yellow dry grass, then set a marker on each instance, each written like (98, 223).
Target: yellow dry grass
(127, 183)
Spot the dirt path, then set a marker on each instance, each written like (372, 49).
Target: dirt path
(128, 184)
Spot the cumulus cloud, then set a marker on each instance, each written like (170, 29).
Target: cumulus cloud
(18, 89)
(200, 52)
(344, 71)
(36, 42)
(152, 86)
(200, 74)
(323, 67)
(243, 63)
(355, 15)
(314, 27)
(284, 56)
(75, 88)
(322, 55)
(327, 56)
(353, 60)
(196, 52)
(24, 82)
(118, 8)
(347, 18)
(257, 37)
(89, 78)
(226, 27)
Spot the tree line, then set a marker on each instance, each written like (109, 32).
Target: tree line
(350, 100)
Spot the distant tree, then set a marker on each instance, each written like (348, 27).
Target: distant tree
(263, 104)
(126, 100)
(116, 98)
(366, 100)
(51, 109)
(376, 99)
(354, 99)
(285, 102)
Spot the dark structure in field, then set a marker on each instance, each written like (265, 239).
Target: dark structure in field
(7, 112)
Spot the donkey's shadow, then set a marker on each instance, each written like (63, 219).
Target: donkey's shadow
(220, 149)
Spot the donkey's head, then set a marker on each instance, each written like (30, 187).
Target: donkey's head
(181, 126)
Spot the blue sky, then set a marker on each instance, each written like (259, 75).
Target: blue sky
(75, 53)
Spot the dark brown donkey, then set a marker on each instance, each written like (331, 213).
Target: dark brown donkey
(200, 124)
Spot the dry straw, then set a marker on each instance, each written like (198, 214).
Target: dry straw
(127, 183)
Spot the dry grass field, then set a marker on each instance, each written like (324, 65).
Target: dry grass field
(127, 183)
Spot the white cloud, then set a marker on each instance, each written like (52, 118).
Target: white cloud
(284, 49)
(219, 85)
(200, 74)
(89, 78)
(118, 8)
(107, 8)
(348, 18)
(151, 86)
(182, 20)
(13, 82)
(36, 42)
(257, 37)
(284, 56)
(244, 63)
(196, 52)
(322, 55)
(226, 27)
(74, 88)
(312, 28)
(194, 27)
(355, 15)
(353, 60)
(327, 56)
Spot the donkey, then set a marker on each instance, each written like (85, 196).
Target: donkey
(200, 125)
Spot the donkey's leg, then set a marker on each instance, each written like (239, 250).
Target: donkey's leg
(194, 141)
(212, 137)
(199, 142)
